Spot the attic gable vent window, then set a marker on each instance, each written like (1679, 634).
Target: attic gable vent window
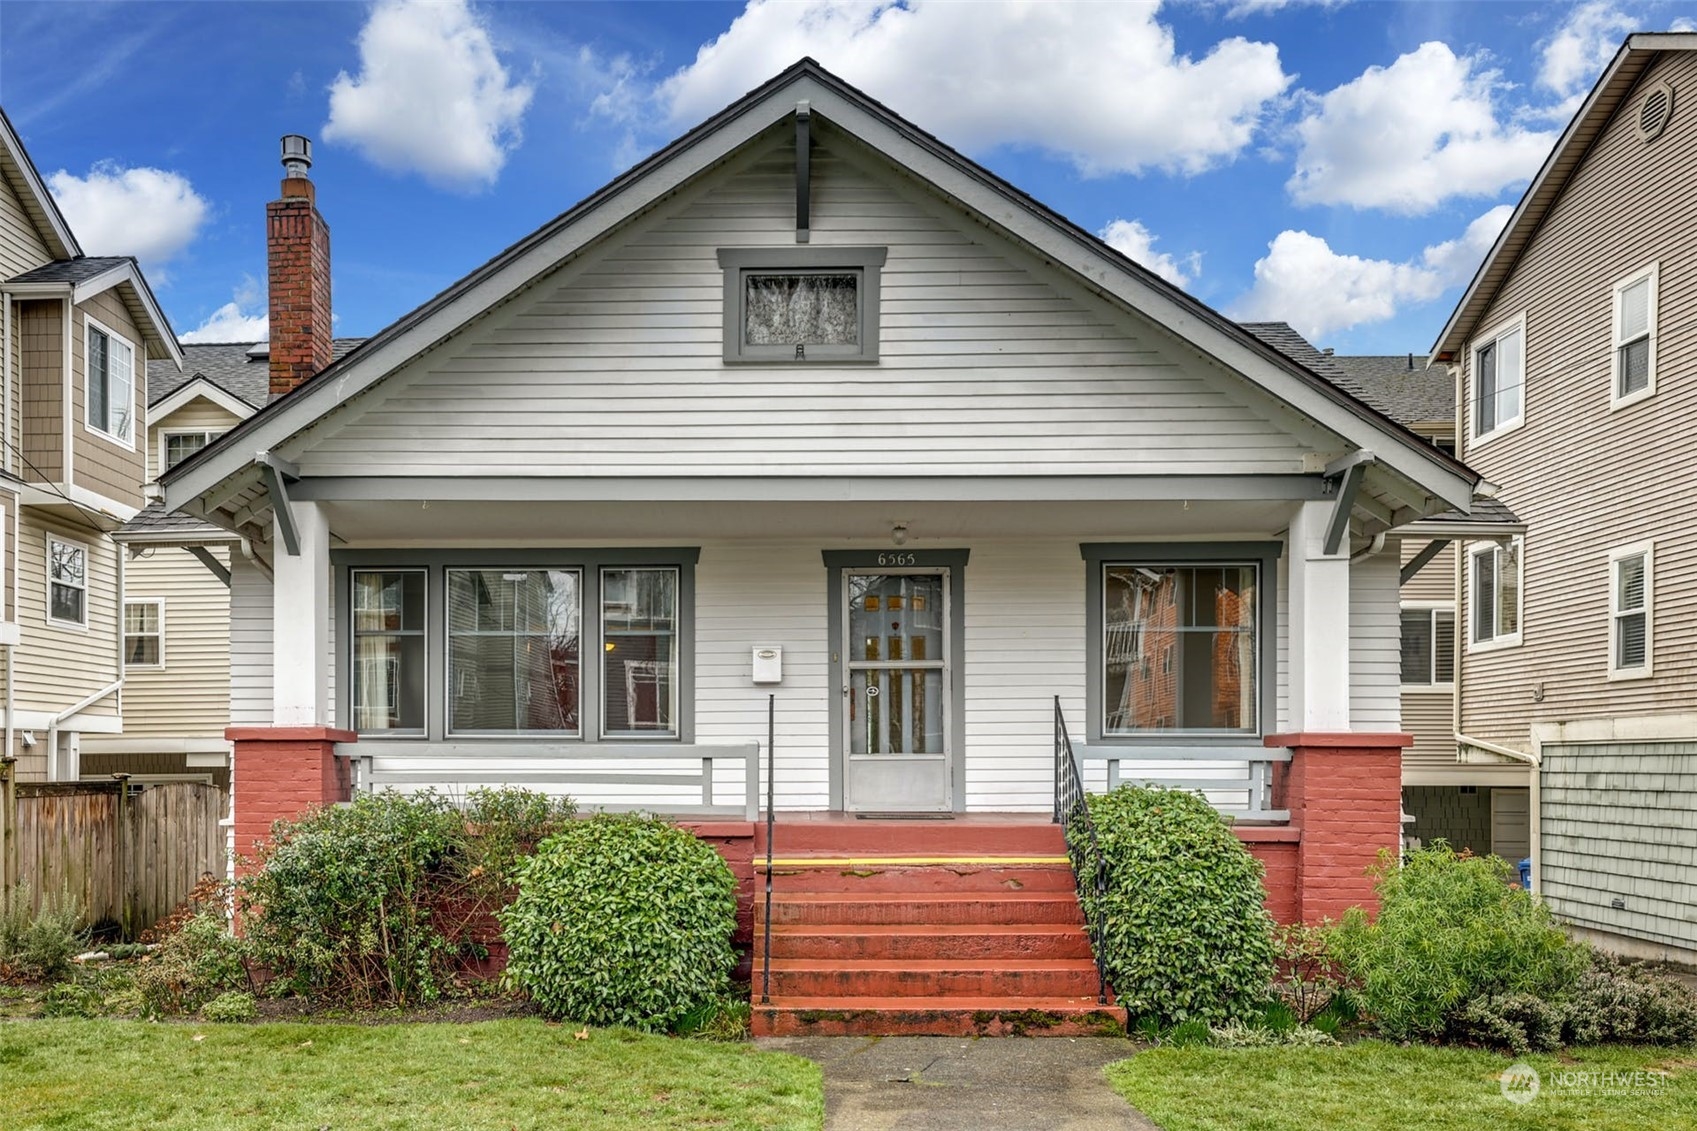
(1654, 111)
(801, 305)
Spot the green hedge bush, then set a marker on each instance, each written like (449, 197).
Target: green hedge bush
(622, 920)
(193, 965)
(39, 944)
(1450, 930)
(1186, 934)
(1628, 1002)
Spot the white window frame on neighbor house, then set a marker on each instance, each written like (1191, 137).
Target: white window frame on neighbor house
(1432, 609)
(92, 326)
(210, 434)
(1501, 330)
(1476, 643)
(158, 632)
(1647, 551)
(47, 577)
(1618, 399)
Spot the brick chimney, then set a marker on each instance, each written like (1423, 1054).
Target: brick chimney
(297, 252)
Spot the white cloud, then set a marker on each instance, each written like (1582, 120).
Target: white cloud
(1131, 239)
(149, 213)
(241, 320)
(1406, 137)
(1101, 85)
(431, 97)
(1242, 8)
(1304, 282)
(1575, 55)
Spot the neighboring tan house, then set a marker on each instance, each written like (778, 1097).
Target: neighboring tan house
(75, 334)
(177, 579)
(809, 405)
(1482, 808)
(1576, 344)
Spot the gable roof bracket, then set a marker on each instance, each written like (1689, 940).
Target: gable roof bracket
(1418, 562)
(278, 473)
(218, 568)
(1352, 469)
(803, 170)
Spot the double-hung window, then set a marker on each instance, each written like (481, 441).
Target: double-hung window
(67, 583)
(1499, 379)
(1631, 606)
(1495, 591)
(144, 632)
(801, 305)
(110, 388)
(1428, 646)
(175, 447)
(1634, 357)
(1199, 613)
(388, 670)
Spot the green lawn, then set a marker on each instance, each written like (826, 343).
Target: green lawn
(119, 1075)
(1373, 1086)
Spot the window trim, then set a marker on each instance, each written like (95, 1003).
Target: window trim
(159, 605)
(1650, 272)
(500, 565)
(93, 325)
(1433, 688)
(345, 652)
(211, 435)
(1617, 555)
(738, 262)
(1507, 640)
(1490, 337)
(436, 562)
(672, 733)
(1264, 555)
(49, 583)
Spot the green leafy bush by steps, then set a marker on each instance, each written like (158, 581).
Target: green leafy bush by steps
(1186, 934)
(1450, 929)
(622, 920)
(191, 966)
(1629, 1002)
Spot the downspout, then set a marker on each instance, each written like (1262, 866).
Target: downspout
(1376, 545)
(69, 712)
(255, 560)
(1534, 825)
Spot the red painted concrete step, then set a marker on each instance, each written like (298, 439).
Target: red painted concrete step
(837, 908)
(868, 875)
(985, 835)
(960, 942)
(938, 1017)
(933, 978)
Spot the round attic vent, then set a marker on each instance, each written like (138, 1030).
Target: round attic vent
(1654, 111)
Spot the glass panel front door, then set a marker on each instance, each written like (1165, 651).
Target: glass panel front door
(898, 681)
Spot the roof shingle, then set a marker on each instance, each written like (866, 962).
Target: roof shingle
(239, 368)
(77, 270)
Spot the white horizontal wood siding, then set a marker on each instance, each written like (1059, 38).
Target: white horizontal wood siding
(614, 366)
(1375, 645)
(21, 246)
(190, 695)
(250, 644)
(1585, 478)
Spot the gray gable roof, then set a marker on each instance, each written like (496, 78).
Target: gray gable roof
(1283, 337)
(1403, 386)
(155, 524)
(78, 270)
(239, 368)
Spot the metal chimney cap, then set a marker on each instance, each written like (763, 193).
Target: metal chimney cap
(297, 154)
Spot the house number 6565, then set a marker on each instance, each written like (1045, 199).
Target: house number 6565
(896, 559)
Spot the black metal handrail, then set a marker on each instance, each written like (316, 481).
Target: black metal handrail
(766, 946)
(1072, 813)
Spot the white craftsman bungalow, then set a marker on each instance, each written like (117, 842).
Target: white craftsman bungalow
(809, 405)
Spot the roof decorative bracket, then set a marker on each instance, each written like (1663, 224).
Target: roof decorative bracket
(1347, 472)
(803, 171)
(278, 473)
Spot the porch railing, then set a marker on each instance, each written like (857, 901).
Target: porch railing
(1238, 780)
(1072, 813)
(670, 768)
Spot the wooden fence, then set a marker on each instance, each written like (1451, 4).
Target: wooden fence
(128, 853)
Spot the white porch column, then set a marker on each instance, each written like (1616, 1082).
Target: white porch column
(300, 622)
(1319, 624)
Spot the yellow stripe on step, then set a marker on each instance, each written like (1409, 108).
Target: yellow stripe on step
(900, 861)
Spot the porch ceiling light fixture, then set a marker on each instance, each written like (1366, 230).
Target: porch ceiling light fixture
(898, 534)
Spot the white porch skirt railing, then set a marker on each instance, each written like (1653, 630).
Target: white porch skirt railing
(1236, 780)
(654, 777)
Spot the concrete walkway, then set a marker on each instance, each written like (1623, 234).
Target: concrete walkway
(950, 1083)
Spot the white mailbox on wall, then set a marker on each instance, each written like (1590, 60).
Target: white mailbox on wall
(768, 664)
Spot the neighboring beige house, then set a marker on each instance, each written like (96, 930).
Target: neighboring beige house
(1575, 345)
(1482, 808)
(75, 334)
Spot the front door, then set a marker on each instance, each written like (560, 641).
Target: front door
(898, 681)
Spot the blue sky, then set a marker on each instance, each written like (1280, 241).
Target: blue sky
(1339, 165)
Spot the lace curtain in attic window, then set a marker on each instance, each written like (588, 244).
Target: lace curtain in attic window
(811, 309)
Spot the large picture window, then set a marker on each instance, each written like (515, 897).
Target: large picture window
(388, 650)
(513, 650)
(1180, 647)
(639, 628)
